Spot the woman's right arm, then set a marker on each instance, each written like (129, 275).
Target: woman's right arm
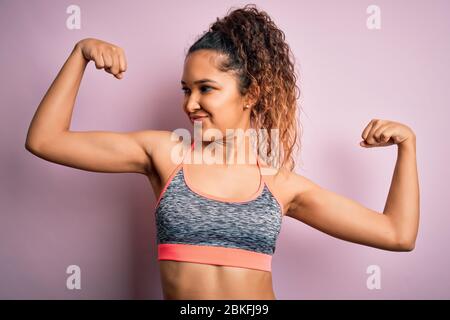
(49, 136)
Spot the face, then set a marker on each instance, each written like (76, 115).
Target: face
(217, 98)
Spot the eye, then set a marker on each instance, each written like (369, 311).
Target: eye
(206, 87)
(184, 89)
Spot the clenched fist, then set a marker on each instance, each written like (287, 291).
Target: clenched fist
(381, 133)
(105, 55)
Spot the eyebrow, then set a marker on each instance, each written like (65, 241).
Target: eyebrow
(201, 81)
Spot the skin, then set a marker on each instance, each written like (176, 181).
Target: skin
(148, 152)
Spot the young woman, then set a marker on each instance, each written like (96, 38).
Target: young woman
(217, 223)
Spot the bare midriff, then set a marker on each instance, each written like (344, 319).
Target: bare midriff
(187, 280)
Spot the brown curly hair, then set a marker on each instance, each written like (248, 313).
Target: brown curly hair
(256, 51)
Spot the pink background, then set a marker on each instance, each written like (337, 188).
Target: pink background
(54, 216)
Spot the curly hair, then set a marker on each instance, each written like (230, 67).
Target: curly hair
(257, 53)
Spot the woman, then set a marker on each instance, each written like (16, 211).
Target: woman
(217, 222)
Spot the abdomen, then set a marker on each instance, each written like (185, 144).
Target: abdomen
(186, 280)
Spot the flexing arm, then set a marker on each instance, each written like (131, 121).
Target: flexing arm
(394, 229)
(49, 136)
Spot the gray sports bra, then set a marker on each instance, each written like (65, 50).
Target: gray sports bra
(196, 227)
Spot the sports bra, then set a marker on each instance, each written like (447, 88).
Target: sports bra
(193, 226)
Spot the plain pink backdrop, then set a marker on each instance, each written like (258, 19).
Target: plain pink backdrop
(54, 216)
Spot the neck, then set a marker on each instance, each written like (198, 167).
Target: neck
(233, 150)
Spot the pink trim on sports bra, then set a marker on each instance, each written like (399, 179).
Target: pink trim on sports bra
(262, 183)
(222, 199)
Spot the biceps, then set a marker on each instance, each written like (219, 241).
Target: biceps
(99, 151)
(345, 219)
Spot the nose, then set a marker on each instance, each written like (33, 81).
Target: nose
(192, 107)
(191, 104)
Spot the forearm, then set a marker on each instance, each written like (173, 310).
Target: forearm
(54, 113)
(403, 201)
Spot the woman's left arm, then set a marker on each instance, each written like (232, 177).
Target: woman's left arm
(396, 228)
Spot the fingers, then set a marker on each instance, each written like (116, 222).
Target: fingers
(375, 126)
(115, 66)
(108, 61)
(366, 131)
(371, 137)
(378, 133)
(382, 134)
(115, 63)
(99, 63)
(122, 62)
(105, 55)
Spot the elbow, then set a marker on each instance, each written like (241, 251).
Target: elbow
(405, 245)
(402, 239)
(34, 140)
(30, 147)
(33, 147)
(34, 143)
(30, 142)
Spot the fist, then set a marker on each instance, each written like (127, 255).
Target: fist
(105, 55)
(381, 133)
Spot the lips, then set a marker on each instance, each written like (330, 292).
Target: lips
(193, 118)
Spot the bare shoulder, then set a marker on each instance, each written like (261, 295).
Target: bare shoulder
(157, 145)
(165, 150)
(152, 140)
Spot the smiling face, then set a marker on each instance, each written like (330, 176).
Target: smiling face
(213, 93)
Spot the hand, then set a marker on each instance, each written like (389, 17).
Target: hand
(382, 133)
(105, 55)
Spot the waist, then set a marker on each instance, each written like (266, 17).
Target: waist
(186, 280)
(215, 255)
